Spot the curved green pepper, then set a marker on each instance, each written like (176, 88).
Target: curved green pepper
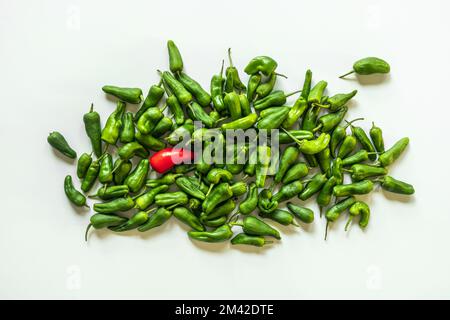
(175, 59)
(130, 95)
(121, 170)
(256, 227)
(310, 147)
(316, 93)
(149, 119)
(297, 110)
(376, 134)
(223, 210)
(202, 96)
(127, 133)
(220, 234)
(183, 95)
(216, 89)
(84, 161)
(265, 202)
(324, 197)
(245, 105)
(137, 220)
(196, 112)
(257, 241)
(288, 158)
(233, 73)
(176, 109)
(251, 201)
(163, 126)
(91, 176)
(156, 219)
(119, 204)
(388, 157)
(265, 65)
(136, 180)
(361, 187)
(188, 186)
(364, 140)
(147, 199)
(111, 131)
(105, 174)
(335, 211)
(262, 165)
(181, 133)
(288, 191)
(313, 186)
(171, 198)
(253, 83)
(328, 122)
(129, 150)
(324, 160)
(339, 133)
(306, 85)
(359, 208)
(187, 217)
(284, 137)
(276, 98)
(265, 88)
(358, 157)
(218, 194)
(347, 147)
(305, 215)
(93, 130)
(242, 123)
(155, 93)
(76, 197)
(57, 141)
(336, 170)
(296, 172)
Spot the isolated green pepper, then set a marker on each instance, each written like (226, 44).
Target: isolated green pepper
(274, 119)
(359, 208)
(111, 131)
(329, 121)
(147, 199)
(256, 227)
(137, 220)
(156, 219)
(187, 185)
(297, 110)
(187, 217)
(257, 241)
(265, 202)
(296, 172)
(136, 180)
(276, 98)
(253, 83)
(288, 158)
(84, 161)
(339, 100)
(149, 119)
(91, 176)
(100, 221)
(127, 132)
(183, 95)
(196, 112)
(115, 205)
(76, 197)
(388, 157)
(388, 183)
(262, 165)
(150, 142)
(251, 201)
(281, 216)
(220, 234)
(57, 141)
(265, 65)
(347, 147)
(368, 66)
(362, 171)
(93, 130)
(361, 187)
(168, 178)
(376, 134)
(316, 93)
(155, 93)
(201, 96)
(265, 88)
(130, 95)
(288, 191)
(233, 105)
(313, 186)
(305, 215)
(112, 192)
(175, 59)
(105, 174)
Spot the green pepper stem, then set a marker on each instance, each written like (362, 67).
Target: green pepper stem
(350, 123)
(151, 210)
(229, 57)
(318, 127)
(292, 93)
(326, 230)
(347, 170)
(292, 137)
(349, 221)
(172, 206)
(164, 108)
(92, 196)
(348, 73)
(86, 232)
(140, 194)
(323, 106)
(294, 223)
(320, 211)
(92, 107)
(209, 190)
(236, 214)
(221, 69)
(159, 72)
(86, 206)
(268, 241)
(280, 75)
(232, 224)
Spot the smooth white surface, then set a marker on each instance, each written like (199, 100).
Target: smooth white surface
(56, 55)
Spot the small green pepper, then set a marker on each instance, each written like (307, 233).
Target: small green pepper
(336, 170)
(175, 59)
(130, 95)
(183, 95)
(137, 220)
(364, 140)
(396, 186)
(297, 110)
(361, 187)
(223, 210)
(359, 208)
(313, 186)
(121, 170)
(310, 147)
(155, 93)
(217, 175)
(296, 172)
(171, 198)
(168, 178)
(233, 105)
(324, 160)
(265, 202)
(111, 131)
(100, 221)
(276, 98)
(288, 158)
(339, 134)
(176, 109)
(187, 217)
(196, 112)
(358, 157)
(163, 126)
(376, 134)
(284, 137)
(216, 222)
(84, 161)
(274, 119)
(281, 216)
(93, 130)
(76, 197)
(250, 166)
(119, 204)
(257, 241)
(234, 74)
(147, 199)
(136, 180)
(242, 123)
(57, 141)
(105, 174)
(91, 176)
(112, 192)
(253, 83)
(256, 227)
(187, 185)
(220, 234)
(265, 65)
(328, 122)
(316, 93)
(339, 100)
(265, 88)
(220, 193)
(388, 157)
(368, 66)
(150, 142)
(324, 197)
(149, 119)
(201, 96)
(251, 201)
(335, 211)
(262, 165)
(127, 133)
(305, 215)
(347, 147)
(288, 191)
(216, 89)
(306, 85)
(156, 219)
(129, 150)
(362, 171)
(245, 105)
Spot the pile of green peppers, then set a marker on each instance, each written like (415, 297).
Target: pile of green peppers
(318, 148)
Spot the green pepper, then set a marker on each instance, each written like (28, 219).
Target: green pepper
(119, 204)
(364, 140)
(288, 158)
(183, 95)
(196, 112)
(188, 218)
(316, 92)
(175, 59)
(335, 211)
(195, 205)
(233, 105)
(187, 185)
(265, 65)
(223, 210)
(121, 170)
(256, 227)
(296, 172)
(276, 98)
(262, 165)
(220, 234)
(284, 137)
(100, 221)
(168, 178)
(156, 219)
(313, 186)
(155, 93)
(324, 160)
(251, 201)
(127, 132)
(171, 198)
(217, 175)
(242, 123)
(84, 161)
(310, 118)
(129, 150)
(130, 95)
(220, 193)
(111, 131)
(245, 105)
(363, 171)
(57, 141)
(253, 83)
(265, 202)
(274, 119)
(339, 100)
(149, 119)
(216, 222)
(339, 133)
(150, 142)
(93, 130)
(297, 110)
(305, 215)
(359, 208)
(201, 96)
(112, 192)
(361, 187)
(105, 174)
(91, 175)
(306, 85)
(388, 157)
(176, 109)
(250, 166)
(234, 74)
(257, 241)
(136, 180)
(358, 157)
(368, 66)
(281, 216)
(288, 191)
(310, 147)
(328, 122)
(347, 147)
(216, 90)
(265, 88)
(388, 183)
(137, 220)
(76, 197)
(324, 197)
(163, 126)
(147, 199)
(376, 134)
(336, 170)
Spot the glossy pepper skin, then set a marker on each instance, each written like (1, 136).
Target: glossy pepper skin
(310, 118)
(339, 134)
(284, 137)
(187, 217)
(345, 190)
(242, 123)
(119, 204)
(168, 178)
(218, 194)
(130, 95)
(294, 114)
(359, 208)
(217, 175)
(369, 65)
(171, 198)
(245, 105)
(347, 147)
(105, 174)
(251, 201)
(156, 219)
(333, 213)
(233, 73)
(220, 234)
(336, 170)
(276, 98)
(137, 220)
(265, 202)
(324, 160)
(256, 227)
(233, 105)
(242, 238)
(216, 222)
(112, 192)
(196, 112)
(262, 165)
(187, 185)
(127, 132)
(216, 89)
(339, 100)
(313, 186)
(310, 147)
(131, 149)
(93, 130)
(111, 131)
(183, 95)
(76, 197)
(155, 93)
(200, 94)
(223, 210)
(150, 142)
(175, 59)
(57, 141)
(288, 158)
(296, 172)
(316, 93)
(121, 170)
(163, 126)
(358, 157)
(392, 154)
(364, 140)
(136, 180)
(362, 171)
(253, 83)
(261, 64)
(376, 134)
(182, 132)
(329, 121)
(176, 109)
(83, 164)
(390, 184)
(306, 85)
(144, 201)
(288, 191)
(265, 88)
(149, 119)
(283, 217)
(91, 176)
(324, 197)
(100, 221)
(274, 119)
(305, 215)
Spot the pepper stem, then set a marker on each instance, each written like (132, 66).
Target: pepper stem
(229, 57)
(86, 206)
(280, 75)
(236, 214)
(348, 73)
(151, 210)
(232, 224)
(326, 230)
(320, 211)
(164, 108)
(209, 190)
(86, 233)
(221, 69)
(291, 136)
(350, 123)
(318, 127)
(292, 93)
(294, 223)
(349, 221)
(92, 107)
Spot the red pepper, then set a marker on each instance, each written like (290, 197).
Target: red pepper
(166, 159)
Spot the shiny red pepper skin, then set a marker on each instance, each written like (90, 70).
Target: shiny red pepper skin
(166, 159)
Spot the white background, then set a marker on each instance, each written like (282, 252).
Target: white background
(56, 55)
